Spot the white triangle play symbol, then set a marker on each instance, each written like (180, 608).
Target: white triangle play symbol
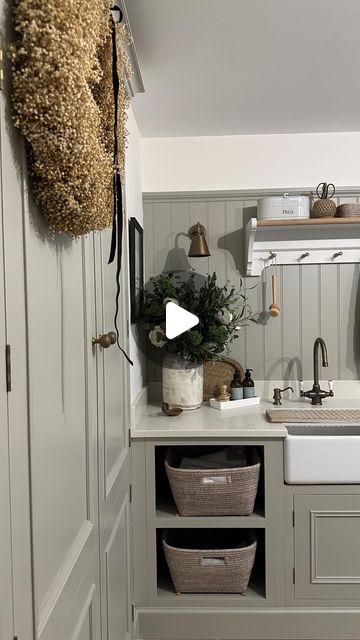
(178, 320)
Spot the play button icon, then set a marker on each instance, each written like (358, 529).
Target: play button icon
(178, 320)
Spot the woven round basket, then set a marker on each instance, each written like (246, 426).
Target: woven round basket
(211, 569)
(214, 492)
(348, 210)
(323, 207)
(219, 373)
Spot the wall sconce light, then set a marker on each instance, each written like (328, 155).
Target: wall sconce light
(198, 247)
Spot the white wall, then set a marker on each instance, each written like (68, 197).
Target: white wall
(250, 162)
(134, 209)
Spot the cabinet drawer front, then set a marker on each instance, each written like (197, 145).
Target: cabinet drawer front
(327, 546)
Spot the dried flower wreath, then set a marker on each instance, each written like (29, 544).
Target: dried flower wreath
(63, 105)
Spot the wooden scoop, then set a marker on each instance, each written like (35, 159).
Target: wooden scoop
(274, 309)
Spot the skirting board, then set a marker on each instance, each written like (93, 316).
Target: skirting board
(280, 624)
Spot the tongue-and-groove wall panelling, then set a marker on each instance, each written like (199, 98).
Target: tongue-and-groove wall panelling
(314, 299)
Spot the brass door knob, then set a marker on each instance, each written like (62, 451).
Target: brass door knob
(105, 340)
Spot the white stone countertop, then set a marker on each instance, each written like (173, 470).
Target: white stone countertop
(247, 422)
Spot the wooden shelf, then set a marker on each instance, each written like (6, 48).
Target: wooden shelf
(167, 517)
(302, 241)
(255, 591)
(295, 222)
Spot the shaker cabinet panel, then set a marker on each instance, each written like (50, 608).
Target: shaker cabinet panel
(113, 393)
(327, 546)
(6, 586)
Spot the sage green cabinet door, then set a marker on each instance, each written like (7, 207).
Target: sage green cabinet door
(327, 546)
(6, 573)
(113, 398)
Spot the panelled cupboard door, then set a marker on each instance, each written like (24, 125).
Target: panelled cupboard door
(13, 290)
(113, 424)
(6, 587)
(327, 546)
(63, 442)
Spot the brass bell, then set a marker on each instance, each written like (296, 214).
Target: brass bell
(198, 247)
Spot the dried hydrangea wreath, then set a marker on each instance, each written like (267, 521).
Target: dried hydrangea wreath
(63, 105)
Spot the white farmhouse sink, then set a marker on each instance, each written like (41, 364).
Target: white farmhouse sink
(322, 454)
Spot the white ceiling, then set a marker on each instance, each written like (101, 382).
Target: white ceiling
(222, 67)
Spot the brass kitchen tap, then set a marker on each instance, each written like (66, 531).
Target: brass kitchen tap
(316, 393)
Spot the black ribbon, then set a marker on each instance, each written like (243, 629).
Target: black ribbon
(118, 224)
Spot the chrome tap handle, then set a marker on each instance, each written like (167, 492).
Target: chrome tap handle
(331, 385)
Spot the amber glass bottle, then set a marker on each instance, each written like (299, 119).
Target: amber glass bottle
(236, 387)
(248, 384)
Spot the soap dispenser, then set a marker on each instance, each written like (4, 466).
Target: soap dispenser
(248, 385)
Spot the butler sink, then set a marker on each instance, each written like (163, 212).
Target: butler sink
(322, 454)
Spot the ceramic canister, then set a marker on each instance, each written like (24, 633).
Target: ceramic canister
(182, 384)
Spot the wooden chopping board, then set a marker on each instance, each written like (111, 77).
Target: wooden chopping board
(306, 416)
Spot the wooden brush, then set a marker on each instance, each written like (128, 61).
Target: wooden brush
(274, 309)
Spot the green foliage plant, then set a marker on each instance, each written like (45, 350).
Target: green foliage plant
(221, 310)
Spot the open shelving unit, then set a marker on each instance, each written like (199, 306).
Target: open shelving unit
(155, 515)
(162, 515)
(301, 241)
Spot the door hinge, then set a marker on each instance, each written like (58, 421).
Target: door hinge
(1, 69)
(130, 493)
(128, 328)
(8, 367)
(293, 518)
(129, 438)
(132, 612)
(293, 575)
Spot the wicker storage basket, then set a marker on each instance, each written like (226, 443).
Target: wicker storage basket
(195, 568)
(214, 492)
(348, 210)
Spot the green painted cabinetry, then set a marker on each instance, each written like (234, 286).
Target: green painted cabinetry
(306, 580)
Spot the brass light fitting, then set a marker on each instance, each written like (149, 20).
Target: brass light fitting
(198, 247)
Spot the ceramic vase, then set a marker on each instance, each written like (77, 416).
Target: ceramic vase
(183, 382)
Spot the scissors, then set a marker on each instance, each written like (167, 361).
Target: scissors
(325, 190)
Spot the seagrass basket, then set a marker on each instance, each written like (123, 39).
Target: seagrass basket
(348, 210)
(200, 562)
(214, 492)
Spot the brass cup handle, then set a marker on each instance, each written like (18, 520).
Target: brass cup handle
(105, 340)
